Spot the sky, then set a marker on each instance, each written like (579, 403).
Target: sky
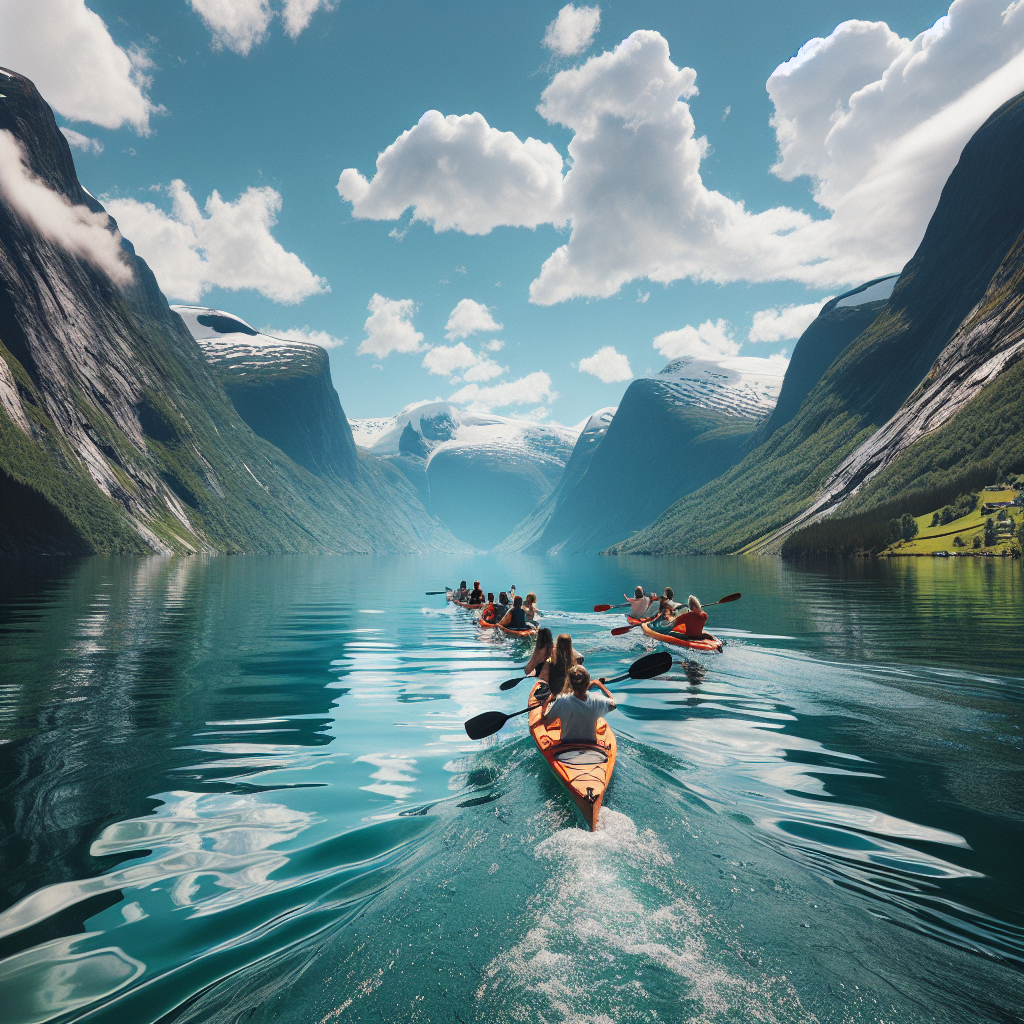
(517, 207)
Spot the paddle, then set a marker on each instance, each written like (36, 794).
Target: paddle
(435, 593)
(609, 607)
(647, 667)
(625, 629)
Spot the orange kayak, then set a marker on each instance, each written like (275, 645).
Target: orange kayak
(585, 769)
(521, 634)
(707, 642)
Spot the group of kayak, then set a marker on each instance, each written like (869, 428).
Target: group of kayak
(510, 614)
(567, 708)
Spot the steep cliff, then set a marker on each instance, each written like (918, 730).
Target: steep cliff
(971, 235)
(282, 389)
(672, 433)
(481, 474)
(115, 434)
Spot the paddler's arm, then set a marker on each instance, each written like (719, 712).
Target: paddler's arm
(548, 708)
(608, 693)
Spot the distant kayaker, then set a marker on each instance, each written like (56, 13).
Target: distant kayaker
(515, 618)
(666, 606)
(489, 614)
(530, 607)
(476, 595)
(542, 651)
(693, 619)
(461, 592)
(580, 711)
(501, 607)
(639, 603)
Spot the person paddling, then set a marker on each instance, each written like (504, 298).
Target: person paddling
(461, 592)
(639, 603)
(542, 651)
(501, 607)
(489, 613)
(476, 595)
(666, 606)
(530, 607)
(560, 664)
(692, 619)
(580, 711)
(515, 618)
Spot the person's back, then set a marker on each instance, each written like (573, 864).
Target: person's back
(691, 620)
(638, 603)
(580, 711)
(516, 617)
(476, 595)
(489, 614)
(501, 606)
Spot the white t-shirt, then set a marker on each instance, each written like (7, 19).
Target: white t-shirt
(579, 718)
(638, 606)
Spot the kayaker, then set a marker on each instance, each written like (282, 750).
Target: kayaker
(530, 607)
(460, 594)
(560, 663)
(501, 607)
(515, 618)
(542, 651)
(579, 711)
(489, 612)
(693, 619)
(666, 606)
(476, 595)
(639, 603)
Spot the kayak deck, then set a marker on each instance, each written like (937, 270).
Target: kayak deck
(584, 769)
(706, 642)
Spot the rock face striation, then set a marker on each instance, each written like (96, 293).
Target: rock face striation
(949, 330)
(282, 389)
(115, 433)
(479, 473)
(672, 433)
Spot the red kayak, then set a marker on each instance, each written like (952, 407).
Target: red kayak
(678, 638)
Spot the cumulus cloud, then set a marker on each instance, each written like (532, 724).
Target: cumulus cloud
(313, 337)
(389, 327)
(534, 387)
(607, 365)
(76, 140)
(240, 25)
(494, 345)
(573, 30)
(75, 229)
(458, 172)
(231, 247)
(711, 341)
(469, 317)
(81, 72)
(877, 123)
(780, 323)
(445, 361)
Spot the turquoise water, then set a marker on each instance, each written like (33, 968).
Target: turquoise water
(239, 789)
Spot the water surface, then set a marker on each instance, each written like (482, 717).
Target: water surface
(239, 789)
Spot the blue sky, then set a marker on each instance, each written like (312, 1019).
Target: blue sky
(290, 114)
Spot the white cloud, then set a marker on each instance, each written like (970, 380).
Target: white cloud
(445, 361)
(607, 365)
(877, 122)
(469, 317)
(313, 337)
(573, 30)
(459, 173)
(772, 366)
(534, 387)
(242, 24)
(80, 71)
(494, 345)
(710, 341)
(75, 229)
(231, 247)
(389, 327)
(237, 24)
(780, 323)
(76, 140)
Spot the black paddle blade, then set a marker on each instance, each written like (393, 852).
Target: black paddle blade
(435, 593)
(602, 607)
(651, 665)
(486, 724)
(511, 683)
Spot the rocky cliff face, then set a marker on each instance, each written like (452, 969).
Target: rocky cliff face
(282, 389)
(481, 474)
(671, 434)
(115, 434)
(946, 297)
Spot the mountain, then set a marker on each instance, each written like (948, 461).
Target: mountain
(282, 389)
(115, 434)
(672, 433)
(956, 293)
(479, 473)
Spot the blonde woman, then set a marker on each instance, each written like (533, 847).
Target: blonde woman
(530, 607)
(542, 651)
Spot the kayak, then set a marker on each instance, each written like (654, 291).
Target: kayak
(585, 769)
(519, 634)
(486, 625)
(462, 604)
(707, 642)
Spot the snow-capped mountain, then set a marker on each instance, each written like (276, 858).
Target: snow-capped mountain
(480, 473)
(733, 387)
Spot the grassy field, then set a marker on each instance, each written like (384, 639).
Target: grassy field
(940, 538)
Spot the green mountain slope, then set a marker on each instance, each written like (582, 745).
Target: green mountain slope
(974, 229)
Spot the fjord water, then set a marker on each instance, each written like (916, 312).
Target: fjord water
(239, 789)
